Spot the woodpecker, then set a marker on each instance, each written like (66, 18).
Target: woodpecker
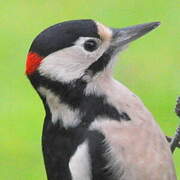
(95, 128)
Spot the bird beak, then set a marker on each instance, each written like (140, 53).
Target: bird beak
(123, 36)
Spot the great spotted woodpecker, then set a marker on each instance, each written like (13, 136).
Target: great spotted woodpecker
(95, 128)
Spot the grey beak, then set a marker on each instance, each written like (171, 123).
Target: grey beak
(125, 35)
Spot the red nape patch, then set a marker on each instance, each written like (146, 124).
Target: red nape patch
(32, 63)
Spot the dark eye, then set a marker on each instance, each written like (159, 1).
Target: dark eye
(90, 45)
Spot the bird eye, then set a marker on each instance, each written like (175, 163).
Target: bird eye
(90, 45)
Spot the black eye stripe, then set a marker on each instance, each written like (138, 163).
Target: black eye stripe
(90, 45)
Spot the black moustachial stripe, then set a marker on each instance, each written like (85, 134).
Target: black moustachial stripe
(63, 35)
(59, 144)
(72, 94)
(101, 63)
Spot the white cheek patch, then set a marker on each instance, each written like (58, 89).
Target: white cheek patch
(59, 111)
(70, 63)
(64, 65)
(80, 164)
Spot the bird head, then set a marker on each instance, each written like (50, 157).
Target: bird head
(79, 49)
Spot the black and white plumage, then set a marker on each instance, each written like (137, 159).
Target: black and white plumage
(92, 120)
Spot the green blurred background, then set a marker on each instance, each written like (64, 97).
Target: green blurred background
(150, 68)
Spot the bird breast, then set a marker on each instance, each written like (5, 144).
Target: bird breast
(138, 147)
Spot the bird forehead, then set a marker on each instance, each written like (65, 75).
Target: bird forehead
(104, 32)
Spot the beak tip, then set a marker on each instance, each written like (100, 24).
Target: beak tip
(128, 34)
(156, 24)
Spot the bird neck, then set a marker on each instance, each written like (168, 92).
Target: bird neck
(70, 103)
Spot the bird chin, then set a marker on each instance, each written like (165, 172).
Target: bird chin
(119, 49)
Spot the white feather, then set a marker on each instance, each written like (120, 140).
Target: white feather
(59, 111)
(80, 164)
(70, 63)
